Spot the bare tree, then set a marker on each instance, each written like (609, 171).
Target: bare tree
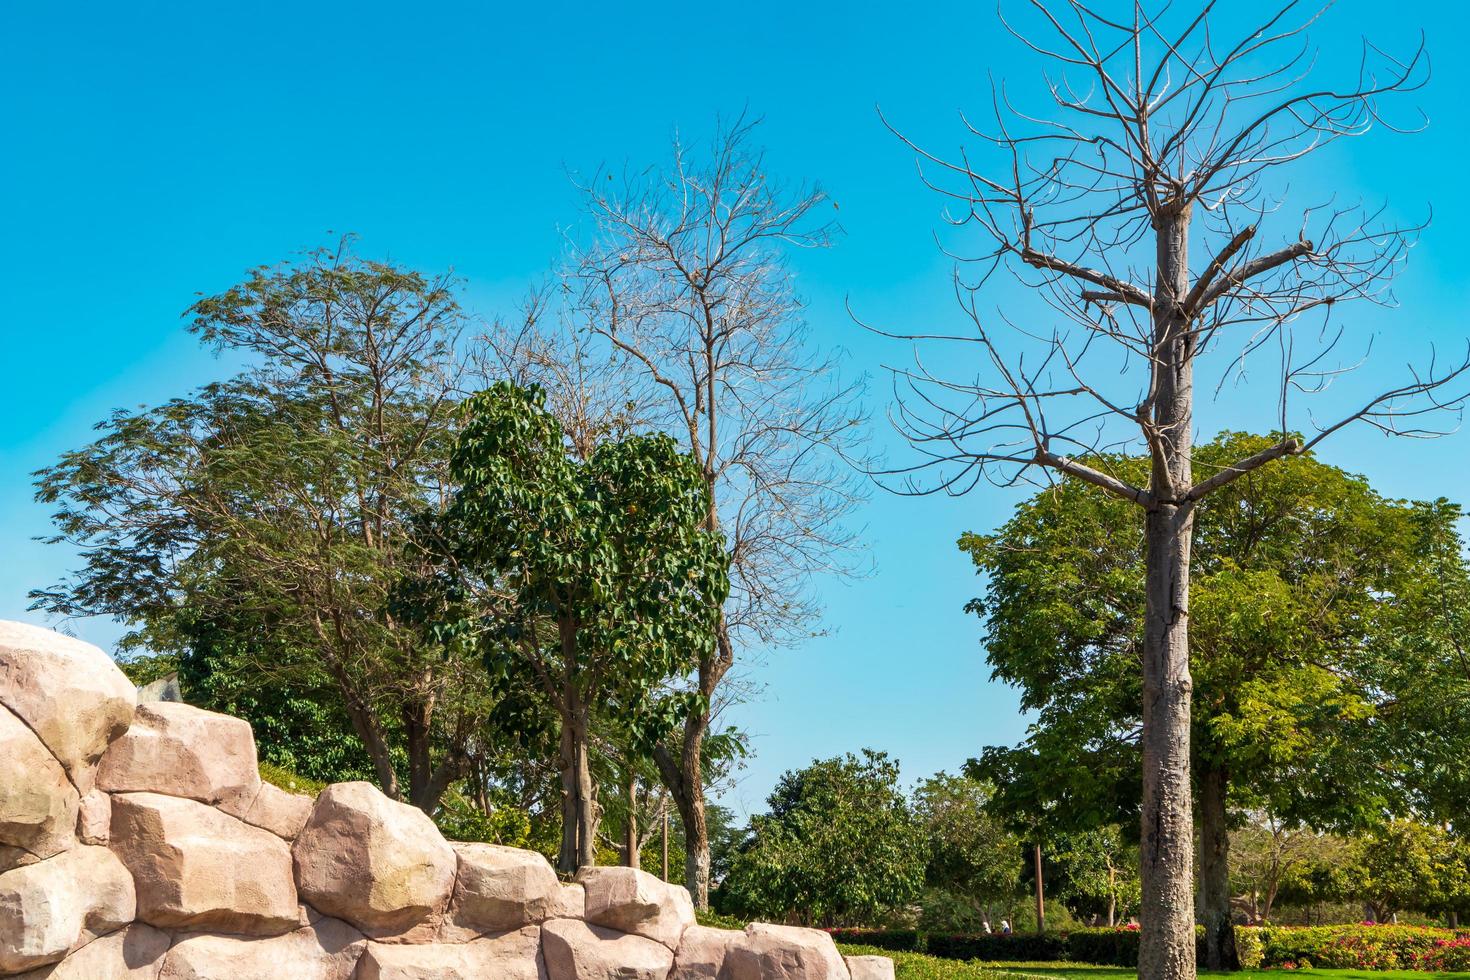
(1160, 134)
(688, 274)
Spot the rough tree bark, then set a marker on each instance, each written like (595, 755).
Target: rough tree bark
(1167, 948)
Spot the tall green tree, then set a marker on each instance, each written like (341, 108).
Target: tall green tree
(268, 517)
(972, 856)
(598, 577)
(1304, 585)
(840, 846)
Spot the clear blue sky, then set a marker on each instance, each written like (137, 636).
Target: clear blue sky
(152, 150)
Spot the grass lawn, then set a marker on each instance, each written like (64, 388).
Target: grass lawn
(916, 966)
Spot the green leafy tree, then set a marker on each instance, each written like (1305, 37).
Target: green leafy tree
(257, 527)
(1304, 585)
(1406, 865)
(974, 860)
(597, 580)
(1100, 871)
(839, 847)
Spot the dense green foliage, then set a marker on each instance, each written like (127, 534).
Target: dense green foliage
(594, 582)
(1307, 587)
(973, 860)
(839, 846)
(256, 527)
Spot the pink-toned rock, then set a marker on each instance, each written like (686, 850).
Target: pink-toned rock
(50, 908)
(571, 903)
(197, 868)
(701, 952)
(134, 953)
(499, 888)
(630, 900)
(280, 812)
(68, 692)
(379, 864)
(325, 950)
(768, 952)
(38, 804)
(94, 819)
(508, 956)
(869, 967)
(574, 950)
(180, 750)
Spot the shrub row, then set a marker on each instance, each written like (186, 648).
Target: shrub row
(1366, 947)
(1360, 947)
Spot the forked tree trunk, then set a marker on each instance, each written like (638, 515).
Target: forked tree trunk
(579, 802)
(1166, 943)
(1214, 871)
(684, 775)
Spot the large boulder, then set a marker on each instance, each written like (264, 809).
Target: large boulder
(701, 953)
(134, 953)
(324, 950)
(630, 900)
(53, 907)
(768, 952)
(574, 950)
(381, 865)
(508, 956)
(499, 888)
(869, 967)
(180, 750)
(38, 804)
(197, 868)
(68, 692)
(280, 812)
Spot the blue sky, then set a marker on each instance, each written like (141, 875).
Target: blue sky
(156, 150)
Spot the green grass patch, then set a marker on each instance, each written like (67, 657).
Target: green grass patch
(289, 781)
(917, 966)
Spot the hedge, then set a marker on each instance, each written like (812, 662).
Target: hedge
(1361, 947)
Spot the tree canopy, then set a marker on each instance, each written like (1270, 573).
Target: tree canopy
(597, 579)
(840, 846)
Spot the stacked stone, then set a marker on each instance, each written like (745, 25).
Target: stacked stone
(138, 842)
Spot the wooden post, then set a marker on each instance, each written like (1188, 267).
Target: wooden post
(1040, 894)
(666, 840)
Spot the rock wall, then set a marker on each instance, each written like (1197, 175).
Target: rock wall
(137, 842)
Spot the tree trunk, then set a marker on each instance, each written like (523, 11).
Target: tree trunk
(1214, 871)
(630, 836)
(1166, 942)
(579, 803)
(1112, 895)
(684, 775)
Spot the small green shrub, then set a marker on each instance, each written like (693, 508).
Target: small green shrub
(1250, 947)
(715, 920)
(459, 819)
